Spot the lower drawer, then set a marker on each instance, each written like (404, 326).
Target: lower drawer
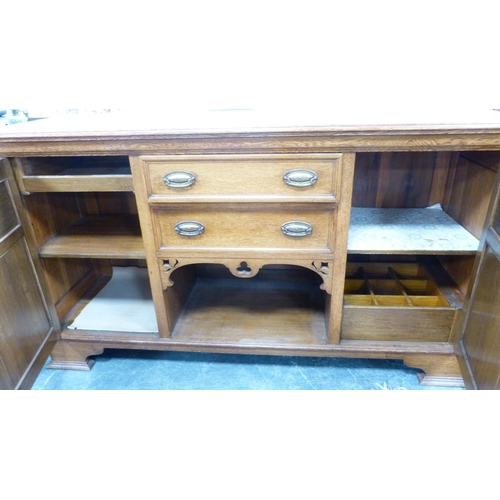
(249, 228)
(397, 302)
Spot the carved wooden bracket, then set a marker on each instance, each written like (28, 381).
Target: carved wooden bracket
(324, 270)
(166, 267)
(246, 268)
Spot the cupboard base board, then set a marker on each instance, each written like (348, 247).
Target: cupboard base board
(438, 360)
(438, 370)
(74, 355)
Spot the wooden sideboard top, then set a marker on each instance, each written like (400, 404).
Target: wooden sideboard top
(252, 131)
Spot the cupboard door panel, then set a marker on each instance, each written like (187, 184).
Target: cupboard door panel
(481, 339)
(25, 324)
(8, 217)
(496, 219)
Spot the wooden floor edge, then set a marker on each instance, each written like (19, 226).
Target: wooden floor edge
(359, 349)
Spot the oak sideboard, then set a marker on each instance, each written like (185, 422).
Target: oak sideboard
(252, 232)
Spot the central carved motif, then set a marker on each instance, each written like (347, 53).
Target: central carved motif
(243, 269)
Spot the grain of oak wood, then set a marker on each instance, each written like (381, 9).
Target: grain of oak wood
(425, 148)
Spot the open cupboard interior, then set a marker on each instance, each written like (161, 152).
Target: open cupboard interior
(405, 280)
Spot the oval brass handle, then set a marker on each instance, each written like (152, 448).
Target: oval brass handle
(179, 179)
(300, 177)
(189, 228)
(296, 229)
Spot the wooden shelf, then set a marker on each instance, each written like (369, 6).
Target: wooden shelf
(408, 231)
(115, 236)
(81, 180)
(80, 174)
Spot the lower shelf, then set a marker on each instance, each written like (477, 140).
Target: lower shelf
(397, 302)
(273, 312)
(273, 309)
(124, 305)
(277, 312)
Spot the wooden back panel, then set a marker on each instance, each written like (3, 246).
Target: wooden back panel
(468, 191)
(396, 180)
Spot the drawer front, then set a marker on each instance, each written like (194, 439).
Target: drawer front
(260, 175)
(257, 229)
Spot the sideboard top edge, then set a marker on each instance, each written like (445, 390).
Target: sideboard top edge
(293, 123)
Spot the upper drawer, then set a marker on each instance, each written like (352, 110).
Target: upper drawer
(275, 176)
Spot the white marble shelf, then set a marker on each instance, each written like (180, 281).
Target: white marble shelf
(395, 230)
(125, 304)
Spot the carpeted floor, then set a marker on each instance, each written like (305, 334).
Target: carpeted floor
(157, 370)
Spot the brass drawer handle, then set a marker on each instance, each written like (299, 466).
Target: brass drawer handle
(296, 229)
(179, 179)
(300, 178)
(189, 228)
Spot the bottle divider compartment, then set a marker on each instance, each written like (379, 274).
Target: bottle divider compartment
(399, 301)
(389, 285)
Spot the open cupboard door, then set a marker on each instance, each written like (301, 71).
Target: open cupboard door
(480, 344)
(26, 324)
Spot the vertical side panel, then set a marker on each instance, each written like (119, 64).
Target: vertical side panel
(335, 303)
(140, 187)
